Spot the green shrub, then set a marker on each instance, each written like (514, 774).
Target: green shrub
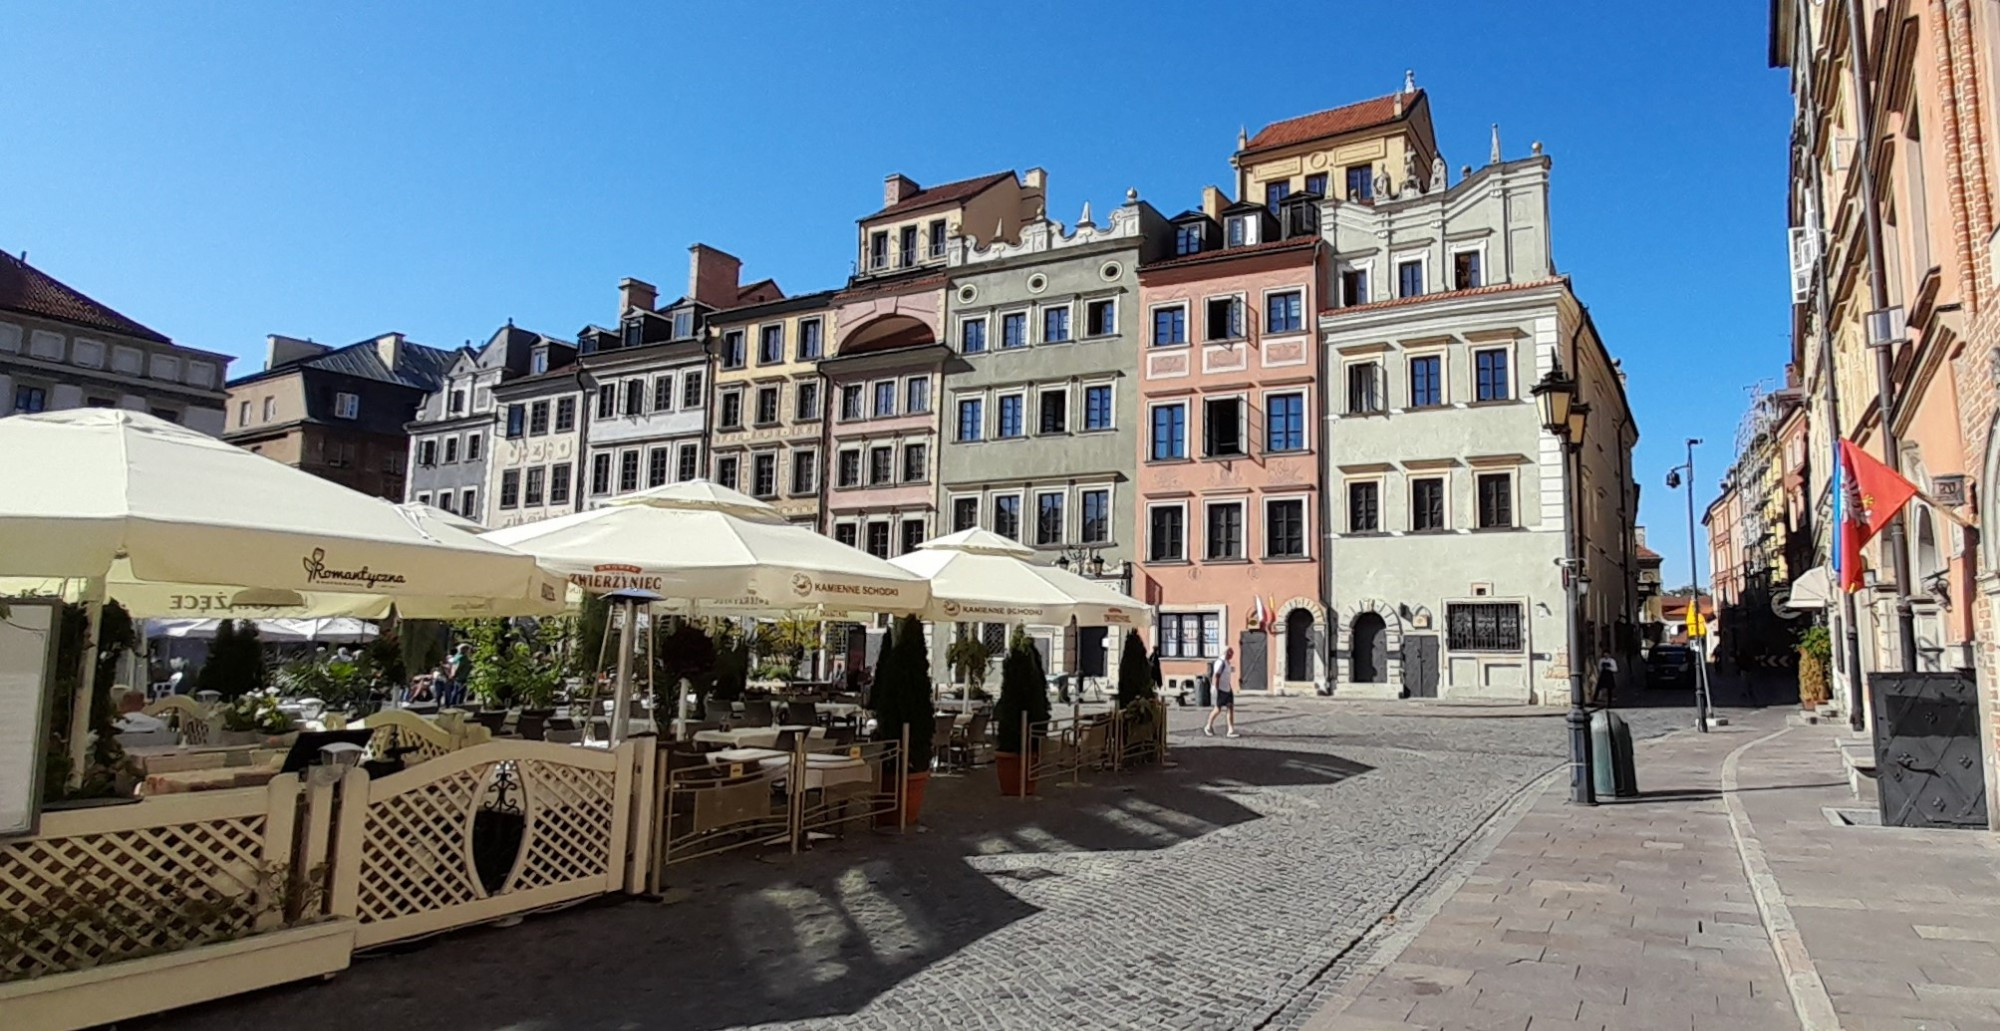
(902, 694)
(1024, 693)
(1135, 673)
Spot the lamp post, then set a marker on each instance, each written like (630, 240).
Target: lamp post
(1700, 646)
(1564, 416)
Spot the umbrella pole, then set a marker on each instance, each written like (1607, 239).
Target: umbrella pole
(681, 699)
(79, 706)
(621, 699)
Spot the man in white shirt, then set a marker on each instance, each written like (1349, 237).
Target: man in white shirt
(1221, 681)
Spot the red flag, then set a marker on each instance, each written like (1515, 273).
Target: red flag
(1878, 493)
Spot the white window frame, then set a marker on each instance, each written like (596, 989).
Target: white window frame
(861, 411)
(668, 465)
(985, 320)
(672, 383)
(47, 345)
(978, 499)
(1513, 377)
(903, 461)
(1083, 394)
(853, 524)
(1110, 513)
(809, 458)
(1410, 479)
(1242, 399)
(860, 467)
(680, 451)
(1087, 302)
(1041, 321)
(1305, 309)
(1513, 475)
(1020, 516)
(1381, 482)
(1305, 418)
(1188, 437)
(1153, 321)
(1451, 262)
(1186, 532)
(777, 405)
(1067, 391)
(999, 342)
(1242, 298)
(875, 391)
(346, 405)
(1422, 258)
(1305, 523)
(1365, 266)
(958, 402)
(1063, 532)
(721, 405)
(777, 474)
(423, 497)
(910, 381)
(94, 348)
(1443, 355)
(1241, 505)
(999, 398)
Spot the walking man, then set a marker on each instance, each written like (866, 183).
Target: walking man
(1221, 678)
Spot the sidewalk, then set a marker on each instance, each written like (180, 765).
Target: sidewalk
(1645, 913)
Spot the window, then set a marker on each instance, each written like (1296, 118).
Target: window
(242, 413)
(732, 410)
(1048, 519)
(850, 401)
(1100, 318)
(771, 344)
(732, 349)
(937, 238)
(600, 474)
(1011, 422)
(805, 470)
(725, 471)
(468, 504)
(423, 497)
(559, 484)
(1364, 388)
(1360, 185)
(1190, 635)
(472, 442)
(916, 463)
(1483, 627)
(691, 396)
(683, 324)
(663, 394)
(1225, 531)
(878, 249)
(1169, 326)
(767, 405)
(1489, 376)
(1285, 422)
(450, 450)
(1275, 193)
(270, 408)
(1239, 231)
(1096, 516)
(1169, 432)
(346, 406)
(1465, 270)
(1055, 325)
(1222, 428)
(964, 514)
(971, 419)
(1166, 534)
(881, 465)
(635, 397)
(908, 239)
(517, 421)
(848, 471)
(913, 535)
(628, 471)
(1014, 329)
(885, 398)
(1364, 507)
(1225, 318)
(533, 495)
(538, 363)
(538, 418)
(1496, 501)
(1007, 516)
(510, 488)
(1097, 407)
(1053, 406)
(656, 466)
(810, 342)
(1187, 240)
(635, 333)
(1285, 312)
(878, 539)
(764, 476)
(1426, 381)
(458, 402)
(565, 414)
(1354, 287)
(444, 501)
(1409, 279)
(607, 400)
(1285, 528)
(845, 534)
(1427, 504)
(427, 451)
(972, 335)
(805, 403)
(1316, 184)
(916, 395)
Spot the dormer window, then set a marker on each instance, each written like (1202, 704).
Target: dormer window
(937, 238)
(539, 363)
(683, 324)
(1187, 239)
(458, 402)
(634, 333)
(1275, 194)
(878, 249)
(908, 242)
(1301, 217)
(1242, 230)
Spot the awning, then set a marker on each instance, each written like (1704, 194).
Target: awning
(1812, 590)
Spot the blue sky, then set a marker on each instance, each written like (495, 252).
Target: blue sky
(224, 171)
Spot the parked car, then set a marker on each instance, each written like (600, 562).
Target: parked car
(1670, 665)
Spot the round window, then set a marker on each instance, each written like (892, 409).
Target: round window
(1037, 283)
(1111, 271)
(967, 293)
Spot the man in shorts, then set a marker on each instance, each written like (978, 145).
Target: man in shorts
(1222, 699)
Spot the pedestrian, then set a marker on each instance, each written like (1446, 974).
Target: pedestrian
(1222, 699)
(461, 672)
(1607, 679)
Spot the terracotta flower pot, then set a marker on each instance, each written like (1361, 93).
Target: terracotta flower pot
(1009, 765)
(913, 802)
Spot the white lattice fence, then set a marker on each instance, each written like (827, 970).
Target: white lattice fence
(396, 728)
(95, 886)
(482, 832)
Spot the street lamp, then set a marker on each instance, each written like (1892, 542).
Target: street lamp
(1088, 561)
(1564, 417)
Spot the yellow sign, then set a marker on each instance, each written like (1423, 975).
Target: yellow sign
(1697, 626)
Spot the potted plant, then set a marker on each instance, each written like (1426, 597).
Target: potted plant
(1815, 654)
(1136, 696)
(1023, 707)
(254, 718)
(903, 701)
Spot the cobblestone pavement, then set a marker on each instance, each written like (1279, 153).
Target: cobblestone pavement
(1226, 892)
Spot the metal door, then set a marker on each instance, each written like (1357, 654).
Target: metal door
(1927, 750)
(1420, 665)
(1253, 670)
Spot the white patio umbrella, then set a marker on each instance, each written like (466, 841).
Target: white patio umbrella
(716, 552)
(452, 519)
(981, 577)
(270, 631)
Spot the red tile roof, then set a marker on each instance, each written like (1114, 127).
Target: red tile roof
(1332, 122)
(29, 290)
(1647, 554)
(949, 193)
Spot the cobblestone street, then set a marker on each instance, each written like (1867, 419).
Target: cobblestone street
(1227, 892)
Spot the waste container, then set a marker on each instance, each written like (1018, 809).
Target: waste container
(1201, 691)
(1612, 771)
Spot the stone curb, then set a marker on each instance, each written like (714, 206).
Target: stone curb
(1809, 997)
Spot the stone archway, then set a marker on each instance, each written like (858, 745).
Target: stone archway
(1391, 671)
(1295, 617)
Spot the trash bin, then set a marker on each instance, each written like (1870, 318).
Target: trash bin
(1201, 691)
(1611, 768)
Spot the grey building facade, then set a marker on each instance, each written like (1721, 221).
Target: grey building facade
(453, 436)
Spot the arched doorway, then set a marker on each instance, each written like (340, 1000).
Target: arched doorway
(1368, 651)
(1298, 646)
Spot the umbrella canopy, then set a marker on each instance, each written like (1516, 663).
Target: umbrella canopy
(173, 522)
(1812, 590)
(724, 552)
(270, 631)
(979, 576)
(436, 514)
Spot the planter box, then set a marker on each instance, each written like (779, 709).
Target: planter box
(137, 987)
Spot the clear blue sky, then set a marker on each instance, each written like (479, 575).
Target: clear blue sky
(224, 171)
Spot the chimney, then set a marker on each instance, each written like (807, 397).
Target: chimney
(897, 187)
(1212, 201)
(1035, 179)
(636, 293)
(713, 276)
(389, 347)
(281, 349)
